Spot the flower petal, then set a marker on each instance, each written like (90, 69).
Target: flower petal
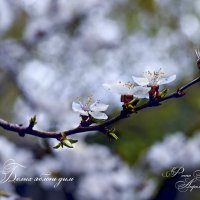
(120, 88)
(98, 115)
(84, 113)
(78, 108)
(166, 80)
(141, 92)
(140, 81)
(97, 107)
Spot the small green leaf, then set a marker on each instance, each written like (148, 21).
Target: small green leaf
(98, 120)
(67, 143)
(134, 102)
(164, 92)
(4, 194)
(33, 120)
(130, 106)
(113, 136)
(57, 146)
(73, 141)
(64, 141)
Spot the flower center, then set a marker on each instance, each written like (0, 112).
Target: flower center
(85, 106)
(154, 77)
(129, 85)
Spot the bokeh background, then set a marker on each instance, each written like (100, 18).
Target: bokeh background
(53, 51)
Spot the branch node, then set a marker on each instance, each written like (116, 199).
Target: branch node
(110, 132)
(22, 133)
(85, 121)
(32, 122)
(154, 102)
(125, 113)
(179, 93)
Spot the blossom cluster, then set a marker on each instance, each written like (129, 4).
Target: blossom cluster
(146, 87)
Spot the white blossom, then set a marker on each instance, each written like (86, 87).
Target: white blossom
(154, 78)
(197, 51)
(174, 150)
(128, 88)
(95, 109)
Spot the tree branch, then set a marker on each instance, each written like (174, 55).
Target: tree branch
(23, 130)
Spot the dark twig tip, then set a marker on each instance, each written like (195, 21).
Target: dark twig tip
(21, 134)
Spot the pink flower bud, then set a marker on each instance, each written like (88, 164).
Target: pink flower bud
(198, 63)
(126, 98)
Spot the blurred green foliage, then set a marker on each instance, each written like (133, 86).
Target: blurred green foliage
(9, 93)
(143, 129)
(17, 28)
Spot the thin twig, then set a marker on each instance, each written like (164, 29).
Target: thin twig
(23, 130)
